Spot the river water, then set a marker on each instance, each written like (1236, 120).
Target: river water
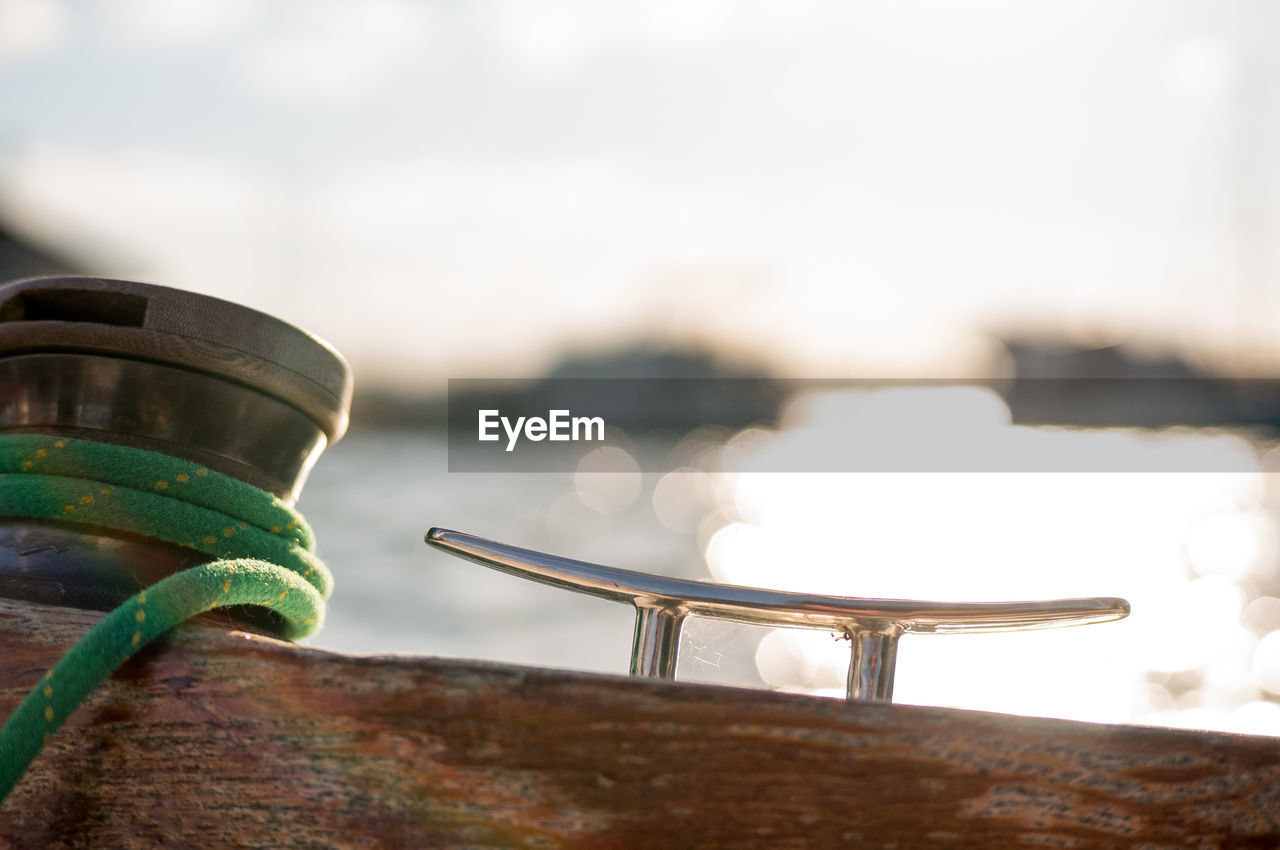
(1183, 548)
(372, 498)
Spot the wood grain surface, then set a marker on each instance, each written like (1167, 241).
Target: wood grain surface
(224, 739)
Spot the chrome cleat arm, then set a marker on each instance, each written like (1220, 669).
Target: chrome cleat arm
(873, 626)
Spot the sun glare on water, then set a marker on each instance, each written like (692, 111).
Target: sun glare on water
(1189, 550)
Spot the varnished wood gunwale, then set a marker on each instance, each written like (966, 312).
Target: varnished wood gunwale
(223, 739)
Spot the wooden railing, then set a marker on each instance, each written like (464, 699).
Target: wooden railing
(217, 738)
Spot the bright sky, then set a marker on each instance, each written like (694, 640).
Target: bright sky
(466, 189)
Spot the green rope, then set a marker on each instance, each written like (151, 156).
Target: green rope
(265, 547)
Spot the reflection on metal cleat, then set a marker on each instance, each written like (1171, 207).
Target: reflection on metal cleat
(873, 626)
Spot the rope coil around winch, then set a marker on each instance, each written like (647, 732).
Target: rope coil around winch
(265, 551)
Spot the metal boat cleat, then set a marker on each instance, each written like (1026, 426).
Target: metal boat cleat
(873, 626)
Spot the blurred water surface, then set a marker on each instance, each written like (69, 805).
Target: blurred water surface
(373, 497)
(1194, 552)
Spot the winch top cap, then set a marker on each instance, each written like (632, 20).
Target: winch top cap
(158, 324)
